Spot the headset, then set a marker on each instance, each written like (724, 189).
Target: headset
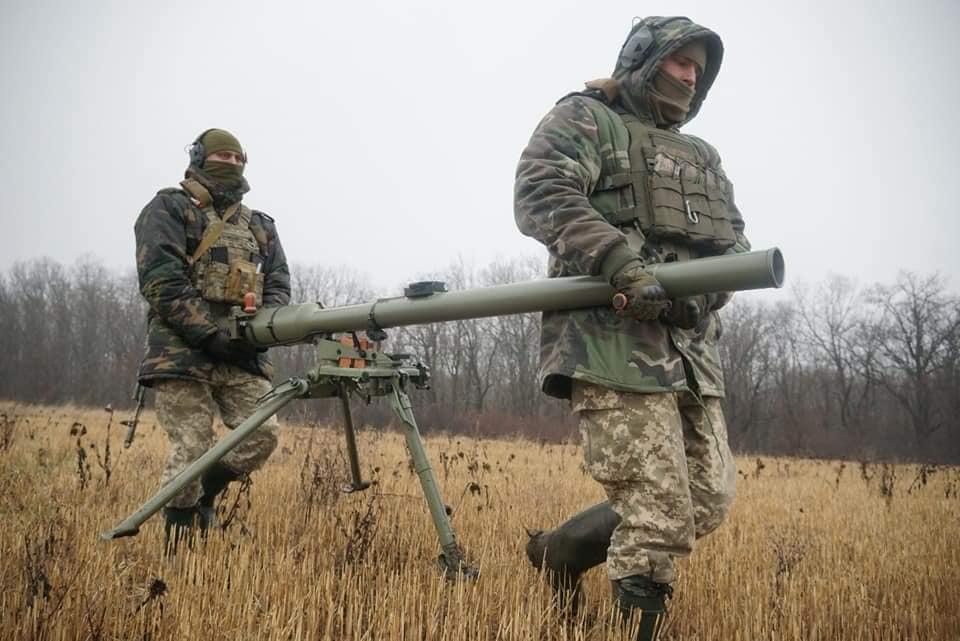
(198, 153)
(638, 43)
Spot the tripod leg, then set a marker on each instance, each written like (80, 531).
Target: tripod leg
(358, 483)
(278, 398)
(452, 559)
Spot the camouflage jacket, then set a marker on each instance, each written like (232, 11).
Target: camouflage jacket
(576, 178)
(168, 231)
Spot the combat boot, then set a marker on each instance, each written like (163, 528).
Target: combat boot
(571, 549)
(214, 482)
(180, 527)
(639, 597)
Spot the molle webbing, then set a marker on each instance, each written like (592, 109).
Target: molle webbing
(228, 260)
(214, 229)
(215, 223)
(673, 189)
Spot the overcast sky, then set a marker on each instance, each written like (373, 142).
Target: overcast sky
(385, 135)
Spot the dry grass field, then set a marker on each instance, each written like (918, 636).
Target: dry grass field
(812, 550)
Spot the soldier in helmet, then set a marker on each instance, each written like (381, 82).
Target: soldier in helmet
(200, 250)
(609, 184)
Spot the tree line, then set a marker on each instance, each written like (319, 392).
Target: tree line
(838, 370)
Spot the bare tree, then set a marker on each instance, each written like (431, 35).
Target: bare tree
(518, 339)
(127, 345)
(829, 319)
(746, 350)
(948, 388)
(916, 328)
(331, 286)
(471, 355)
(40, 288)
(885, 364)
(9, 337)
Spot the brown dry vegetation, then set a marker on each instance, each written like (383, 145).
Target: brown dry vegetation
(812, 550)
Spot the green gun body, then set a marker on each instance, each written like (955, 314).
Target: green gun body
(298, 323)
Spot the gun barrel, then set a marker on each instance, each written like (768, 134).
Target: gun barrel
(297, 323)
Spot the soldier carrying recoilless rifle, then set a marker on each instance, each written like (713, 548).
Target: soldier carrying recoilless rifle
(610, 185)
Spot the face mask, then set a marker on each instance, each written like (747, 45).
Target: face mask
(227, 174)
(671, 97)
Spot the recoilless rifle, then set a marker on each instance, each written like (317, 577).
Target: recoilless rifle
(352, 365)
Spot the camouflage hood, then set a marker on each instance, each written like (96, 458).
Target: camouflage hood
(649, 42)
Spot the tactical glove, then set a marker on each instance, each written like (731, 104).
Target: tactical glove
(239, 352)
(687, 312)
(646, 298)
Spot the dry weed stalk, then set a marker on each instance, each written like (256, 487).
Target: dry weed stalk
(807, 553)
(7, 424)
(235, 503)
(888, 478)
(104, 462)
(83, 465)
(924, 472)
(359, 529)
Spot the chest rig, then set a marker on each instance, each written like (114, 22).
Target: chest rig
(673, 191)
(227, 263)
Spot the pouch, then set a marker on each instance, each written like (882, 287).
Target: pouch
(243, 277)
(228, 282)
(688, 203)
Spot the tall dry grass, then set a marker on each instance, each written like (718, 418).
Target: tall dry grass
(812, 550)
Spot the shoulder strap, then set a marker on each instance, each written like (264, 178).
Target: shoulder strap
(211, 235)
(201, 197)
(604, 90)
(214, 230)
(257, 219)
(614, 138)
(243, 220)
(608, 87)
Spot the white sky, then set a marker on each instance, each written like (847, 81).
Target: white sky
(385, 135)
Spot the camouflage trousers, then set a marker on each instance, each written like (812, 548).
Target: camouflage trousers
(185, 411)
(666, 466)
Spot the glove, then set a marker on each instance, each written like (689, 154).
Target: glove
(646, 298)
(239, 352)
(686, 312)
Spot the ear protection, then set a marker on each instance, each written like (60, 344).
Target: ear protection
(198, 153)
(637, 46)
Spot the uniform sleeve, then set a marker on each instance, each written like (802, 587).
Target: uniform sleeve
(276, 274)
(740, 246)
(558, 170)
(163, 271)
(736, 219)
